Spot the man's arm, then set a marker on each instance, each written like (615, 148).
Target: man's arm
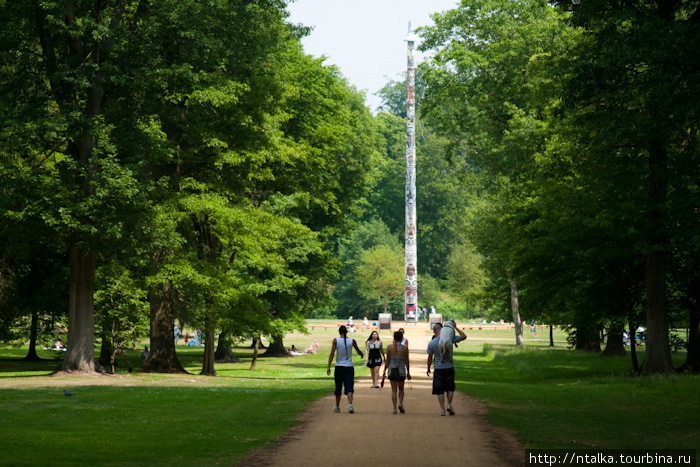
(354, 344)
(462, 335)
(330, 358)
(430, 362)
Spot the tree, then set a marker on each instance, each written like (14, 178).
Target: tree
(465, 276)
(368, 235)
(121, 310)
(381, 274)
(69, 55)
(636, 86)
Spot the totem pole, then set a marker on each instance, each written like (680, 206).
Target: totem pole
(411, 312)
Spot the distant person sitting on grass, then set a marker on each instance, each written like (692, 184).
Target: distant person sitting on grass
(145, 354)
(344, 371)
(312, 348)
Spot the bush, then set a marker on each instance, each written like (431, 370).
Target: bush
(676, 343)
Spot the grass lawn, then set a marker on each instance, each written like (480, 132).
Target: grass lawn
(558, 398)
(547, 397)
(134, 419)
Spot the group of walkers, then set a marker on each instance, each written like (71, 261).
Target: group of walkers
(396, 365)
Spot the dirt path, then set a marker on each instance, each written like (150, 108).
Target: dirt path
(375, 436)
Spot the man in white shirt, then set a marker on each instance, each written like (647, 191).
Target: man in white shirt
(344, 370)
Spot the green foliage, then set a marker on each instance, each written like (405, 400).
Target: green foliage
(380, 274)
(569, 111)
(188, 144)
(367, 236)
(677, 343)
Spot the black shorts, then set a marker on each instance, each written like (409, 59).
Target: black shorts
(395, 375)
(344, 376)
(443, 381)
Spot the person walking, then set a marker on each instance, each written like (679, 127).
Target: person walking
(444, 375)
(403, 333)
(398, 364)
(344, 371)
(374, 356)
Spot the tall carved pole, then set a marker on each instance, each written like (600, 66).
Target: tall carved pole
(411, 313)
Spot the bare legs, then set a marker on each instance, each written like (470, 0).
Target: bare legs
(441, 399)
(397, 387)
(375, 376)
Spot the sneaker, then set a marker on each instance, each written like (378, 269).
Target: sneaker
(442, 412)
(351, 409)
(393, 411)
(401, 409)
(336, 409)
(449, 409)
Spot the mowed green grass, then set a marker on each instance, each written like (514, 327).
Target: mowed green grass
(134, 419)
(559, 398)
(549, 398)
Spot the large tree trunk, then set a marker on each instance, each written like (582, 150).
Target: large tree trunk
(81, 313)
(615, 344)
(657, 357)
(224, 352)
(276, 348)
(209, 330)
(162, 357)
(515, 310)
(32, 356)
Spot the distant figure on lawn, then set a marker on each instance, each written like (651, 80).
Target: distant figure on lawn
(344, 371)
(145, 354)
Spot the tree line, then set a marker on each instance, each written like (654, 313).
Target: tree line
(176, 160)
(582, 117)
(169, 159)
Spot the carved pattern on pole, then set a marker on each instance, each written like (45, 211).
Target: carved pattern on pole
(411, 234)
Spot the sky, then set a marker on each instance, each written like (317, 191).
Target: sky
(364, 38)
